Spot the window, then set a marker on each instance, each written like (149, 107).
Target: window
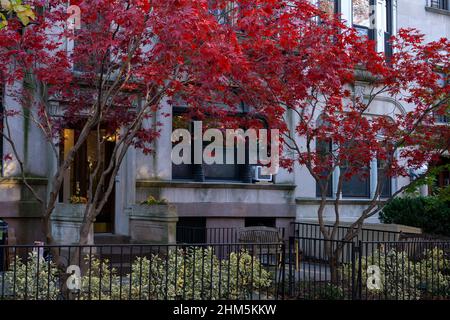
(442, 119)
(388, 27)
(362, 11)
(86, 60)
(386, 190)
(181, 171)
(324, 150)
(197, 172)
(329, 6)
(191, 230)
(226, 15)
(439, 4)
(260, 222)
(358, 186)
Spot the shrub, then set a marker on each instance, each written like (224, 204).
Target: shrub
(100, 281)
(405, 279)
(431, 214)
(32, 278)
(195, 273)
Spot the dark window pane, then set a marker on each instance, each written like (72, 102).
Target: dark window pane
(214, 171)
(324, 149)
(191, 230)
(260, 222)
(358, 186)
(181, 171)
(386, 190)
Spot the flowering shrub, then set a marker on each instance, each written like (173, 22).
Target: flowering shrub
(78, 200)
(151, 200)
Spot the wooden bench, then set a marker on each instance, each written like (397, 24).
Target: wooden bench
(264, 242)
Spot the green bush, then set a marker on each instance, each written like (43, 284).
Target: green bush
(431, 214)
(405, 279)
(310, 290)
(32, 278)
(198, 274)
(195, 273)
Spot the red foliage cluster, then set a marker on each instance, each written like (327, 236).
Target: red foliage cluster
(277, 57)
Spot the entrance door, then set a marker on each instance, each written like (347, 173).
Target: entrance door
(105, 220)
(76, 182)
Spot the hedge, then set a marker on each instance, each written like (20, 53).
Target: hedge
(431, 214)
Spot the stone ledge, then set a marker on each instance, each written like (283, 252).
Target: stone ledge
(21, 209)
(382, 227)
(18, 180)
(438, 11)
(213, 185)
(316, 201)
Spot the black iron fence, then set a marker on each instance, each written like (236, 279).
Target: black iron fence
(302, 268)
(214, 235)
(144, 272)
(368, 270)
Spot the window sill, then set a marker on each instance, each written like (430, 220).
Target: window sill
(214, 185)
(438, 11)
(330, 201)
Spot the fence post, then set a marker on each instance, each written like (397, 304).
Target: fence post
(291, 273)
(357, 268)
(360, 284)
(283, 265)
(353, 247)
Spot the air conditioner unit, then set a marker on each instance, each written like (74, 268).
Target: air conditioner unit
(259, 177)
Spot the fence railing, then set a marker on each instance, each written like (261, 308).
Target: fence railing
(370, 270)
(144, 272)
(312, 230)
(304, 268)
(213, 235)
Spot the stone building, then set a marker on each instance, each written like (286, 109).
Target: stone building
(212, 196)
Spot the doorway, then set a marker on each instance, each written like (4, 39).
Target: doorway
(76, 180)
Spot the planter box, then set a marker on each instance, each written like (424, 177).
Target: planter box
(153, 224)
(66, 223)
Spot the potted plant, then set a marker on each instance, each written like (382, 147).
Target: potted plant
(153, 221)
(67, 219)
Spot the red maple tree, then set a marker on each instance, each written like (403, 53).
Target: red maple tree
(300, 68)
